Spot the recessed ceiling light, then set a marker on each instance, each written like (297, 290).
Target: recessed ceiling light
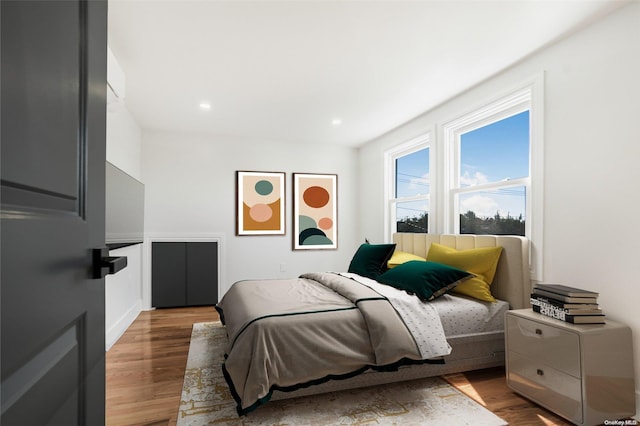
(336, 121)
(205, 106)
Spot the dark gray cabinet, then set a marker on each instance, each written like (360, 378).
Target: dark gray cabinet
(184, 274)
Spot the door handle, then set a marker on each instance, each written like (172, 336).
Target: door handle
(103, 264)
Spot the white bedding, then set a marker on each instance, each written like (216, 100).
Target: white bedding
(459, 315)
(462, 316)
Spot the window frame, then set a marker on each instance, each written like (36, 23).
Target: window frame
(391, 201)
(528, 96)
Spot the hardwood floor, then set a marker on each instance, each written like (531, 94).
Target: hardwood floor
(145, 370)
(489, 388)
(145, 367)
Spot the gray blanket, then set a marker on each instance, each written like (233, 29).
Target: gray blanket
(284, 334)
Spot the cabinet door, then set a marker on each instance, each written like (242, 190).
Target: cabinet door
(202, 273)
(168, 274)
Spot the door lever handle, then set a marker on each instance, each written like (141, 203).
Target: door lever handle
(103, 264)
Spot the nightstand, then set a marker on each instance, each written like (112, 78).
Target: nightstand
(581, 372)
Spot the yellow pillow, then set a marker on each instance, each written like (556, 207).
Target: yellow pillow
(400, 257)
(480, 261)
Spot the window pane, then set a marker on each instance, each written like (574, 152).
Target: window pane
(498, 212)
(412, 174)
(412, 216)
(496, 152)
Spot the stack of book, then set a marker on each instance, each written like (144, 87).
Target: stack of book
(566, 303)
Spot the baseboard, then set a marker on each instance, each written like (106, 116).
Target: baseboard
(117, 330)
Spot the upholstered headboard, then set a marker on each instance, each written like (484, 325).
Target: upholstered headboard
(511, 282)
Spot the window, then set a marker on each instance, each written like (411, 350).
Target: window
(487, 179)
(491, 177)
(493, 169)
(409, 187)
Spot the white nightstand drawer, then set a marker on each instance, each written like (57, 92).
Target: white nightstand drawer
(549, 345)
(556, 390)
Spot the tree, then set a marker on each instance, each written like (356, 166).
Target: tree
(496, 225)
(414, 224)
(470, 223)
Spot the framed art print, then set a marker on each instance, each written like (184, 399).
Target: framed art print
(315, 211)
(260, 203)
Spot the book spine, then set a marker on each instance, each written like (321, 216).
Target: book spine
(565, 299)
(548, 310)
(597, 319)
(566, 290)
(560, 314)
(549, 301)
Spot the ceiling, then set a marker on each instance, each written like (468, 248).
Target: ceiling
(285, 70)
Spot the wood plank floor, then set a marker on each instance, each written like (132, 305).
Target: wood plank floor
(489, 388)
(145, 370)
(145, 367)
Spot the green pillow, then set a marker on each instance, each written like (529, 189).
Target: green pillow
(371, 259)
(427, 280)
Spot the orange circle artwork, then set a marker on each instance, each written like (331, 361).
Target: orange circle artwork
(316, 197)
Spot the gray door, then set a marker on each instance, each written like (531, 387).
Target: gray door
(53, 110)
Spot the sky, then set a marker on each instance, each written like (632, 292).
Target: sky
(492, 153)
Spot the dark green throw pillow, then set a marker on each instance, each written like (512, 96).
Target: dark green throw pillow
(371, 259)
(427, 280)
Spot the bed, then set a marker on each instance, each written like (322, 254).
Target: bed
(327, 331)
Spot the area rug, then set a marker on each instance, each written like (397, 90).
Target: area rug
(206, 399)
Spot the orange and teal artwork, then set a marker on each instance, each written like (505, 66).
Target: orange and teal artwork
(315, 211)
(260, 203)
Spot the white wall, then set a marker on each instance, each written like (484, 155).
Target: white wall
(123, 291)
(190, 191)
(124, 140)
(592, 146)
